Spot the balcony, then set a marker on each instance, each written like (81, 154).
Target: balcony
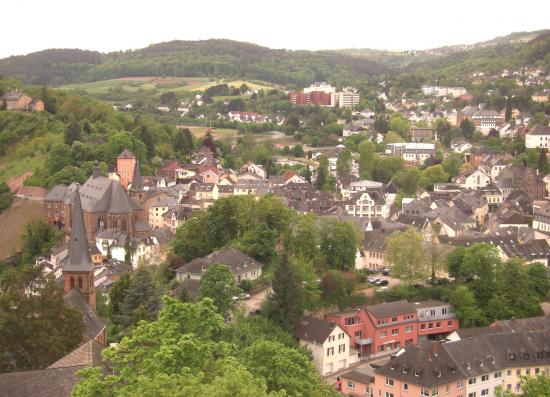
(363, 341)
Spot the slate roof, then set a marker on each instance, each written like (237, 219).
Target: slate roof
(426, 364)
(359, 376)
(391, 309)
(126, 154)
(57, 193)
(136, 178)
(375, 241)
(313, 329)
(492, 352)
(79, 252)
(237, 261)
(102, 194)
(539, 130)
(57, 380)
(94, 325)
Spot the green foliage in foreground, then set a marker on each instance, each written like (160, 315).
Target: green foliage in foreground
(190, 351)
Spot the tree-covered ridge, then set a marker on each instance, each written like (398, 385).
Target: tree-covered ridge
(51, 67)
(210, 58)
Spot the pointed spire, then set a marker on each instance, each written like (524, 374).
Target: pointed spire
(79, 254)
(136, 178)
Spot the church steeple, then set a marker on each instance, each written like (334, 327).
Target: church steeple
(78, 270)
(136, 179)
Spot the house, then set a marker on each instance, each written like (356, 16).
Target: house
(369, 204)
(436, 319)
(374, 250)
(423, 370)
(473, 179)
(175, 217)
(486, 120)
(411, 152)
(379, 329)
(541, 218)
(250, 187)
(422, 134)
(521, 178)
(537, 137)
(473, 205)
(328, 342)
(18, 101)
(352, 129)
(357, 382)
(540, 97)
(208, 174)
(292, 177)
(158, 208)
(241, 265)
(255, 169)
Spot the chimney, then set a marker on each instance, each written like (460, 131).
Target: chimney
(96, 172)
(332, 324)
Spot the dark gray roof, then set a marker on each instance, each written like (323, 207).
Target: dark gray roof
(375, 241)
(94, 325)
(102, 194)
(427, 364)
(313, 329)
(492, 352)
(358, 375)
(136, 178)
(79, 252)
(126, 154)
(237, 261)
(88, 353)
(57, 382)
(539, 130)
(58, 193)
(390, 309)
(539, 323)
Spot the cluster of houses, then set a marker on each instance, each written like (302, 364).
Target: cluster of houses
(469, 362)
(18, 101)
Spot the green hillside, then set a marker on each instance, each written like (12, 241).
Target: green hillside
(225, 59)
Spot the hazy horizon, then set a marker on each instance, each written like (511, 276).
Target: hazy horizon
(392, 25)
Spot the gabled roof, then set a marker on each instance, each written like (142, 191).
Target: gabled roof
(314, 329)
(78, 259)
(126, 154)
(237, 261)
(427, 364)
(390, 309)
(88, 354)
(539, 130)
(94, 325)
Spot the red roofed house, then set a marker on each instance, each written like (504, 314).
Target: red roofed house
(292, 177)
(20, 102)
(209, 174)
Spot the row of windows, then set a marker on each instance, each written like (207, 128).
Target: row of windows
(437, 325)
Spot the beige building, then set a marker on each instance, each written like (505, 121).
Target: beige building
(329, 344)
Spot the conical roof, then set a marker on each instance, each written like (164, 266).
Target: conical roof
(78, 259)
(136, 178)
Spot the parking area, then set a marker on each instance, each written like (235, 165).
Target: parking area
(391, 283)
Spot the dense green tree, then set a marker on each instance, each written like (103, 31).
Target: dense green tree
(147, 139)
(192, 239)
(302, 239)
(466, 307)
(337, 288)
(189, 351)
(259, 243)
(58, 158)
(72, 133)
(531, 386)
(36, 328)
(539, 281)
(386, 167)
(468, 128)
(344, 163)
(322, 173)
(38, 239)
(298, 151)
(218, 284)
(142, 299)
(366, 151)
(117, 294)
(515, 289)
(433, 174)
(183, 141)
(407, 257)
(339, 243)
(452, 164)
(6, 196)
(284, 306)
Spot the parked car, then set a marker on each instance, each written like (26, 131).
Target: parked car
(382, 289)
(242, 296)
(386, 271)
(371, 280)
(383, 282)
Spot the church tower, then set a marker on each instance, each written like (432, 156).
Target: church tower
(136, 190)
(78, 271)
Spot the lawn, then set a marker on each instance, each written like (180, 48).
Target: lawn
(12, 224)
(218, 133)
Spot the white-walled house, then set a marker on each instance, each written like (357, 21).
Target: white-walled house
(475, 179)
(329, 344)
(538, 137)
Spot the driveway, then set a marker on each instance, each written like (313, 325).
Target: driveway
(256, 300)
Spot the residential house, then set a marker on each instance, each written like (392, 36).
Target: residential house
(540, 96)
(473, 179)
(251, 187)
(487, 120)
(460, 146)
(241, 265)
(435, 319)
(158, 208)
(413, 153)
(357, 382)
(369, 204)
(521, 178)
(473, 205)
(537, 137)
(329, 344)
(422, 134)
(254, 169)
(18, 101)
(208, 174)
(352, 129)
(175, 217)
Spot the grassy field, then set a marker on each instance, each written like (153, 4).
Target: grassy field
(12, 224)
(158, 85)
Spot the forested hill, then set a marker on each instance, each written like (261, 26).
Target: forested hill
(50, 67)
(208, 58)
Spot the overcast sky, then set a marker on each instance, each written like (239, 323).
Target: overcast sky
(110, 25)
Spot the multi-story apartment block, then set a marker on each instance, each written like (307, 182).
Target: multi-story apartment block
(435, 319)
(411, 152)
